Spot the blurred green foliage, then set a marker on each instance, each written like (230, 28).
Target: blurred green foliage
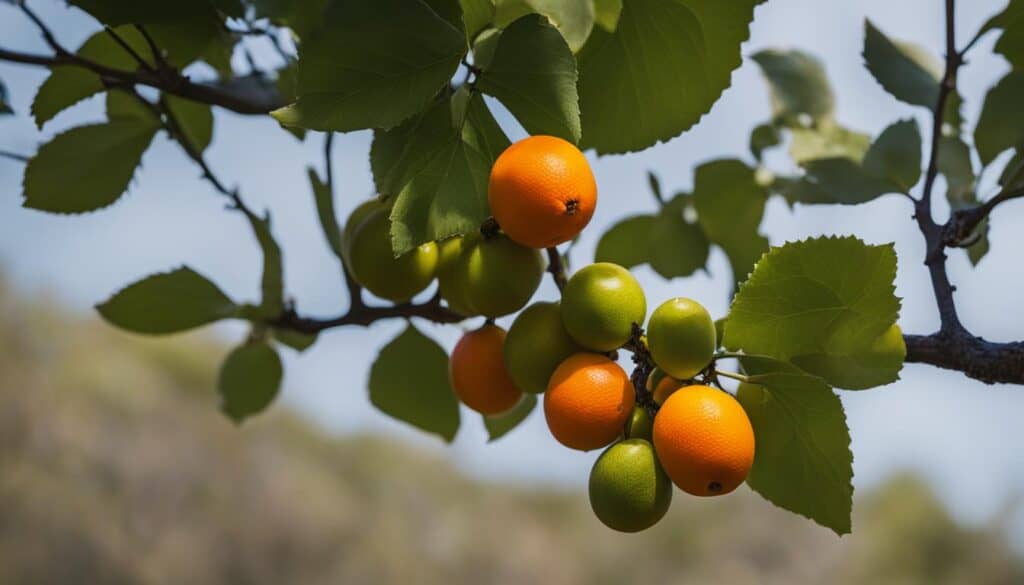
(116, 469)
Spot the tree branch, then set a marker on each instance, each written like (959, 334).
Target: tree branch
(14, 156)
(556, 268)
(364, 315)
(987, 361)
(953, 346)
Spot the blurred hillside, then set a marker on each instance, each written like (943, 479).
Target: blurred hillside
(115, 467)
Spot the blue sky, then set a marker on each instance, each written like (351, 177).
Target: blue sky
(961, 434)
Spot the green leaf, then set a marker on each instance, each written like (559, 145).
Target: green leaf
(120, 12)
(661, 69)
(298, 341)
(438, 167)
(803, 462)
(676, 247)
(533, 73)
(499, 425)
(409, 381)
(272, 280)
(606, 14)
(838, 180)
(763, 137)
(123, 106)
(476, 16)
(730, 204)
(799, 86)
(1011, 42)
(954, 162)
(88, 167)
(817, 301)
(828, 140)
(896, 155)
(69, 85)
(167, 303)
(1000, 126)
(195, 119)
(373, 65)
(625, 243)
(325, 212)
(574, 18)
(249, 380)
(862, 367)
(5, 104)
(908, 72)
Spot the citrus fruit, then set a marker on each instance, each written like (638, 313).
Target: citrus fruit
(448, 283)
(600, 303)
(664, 388)
(704, 440)
(629, 491)
(542, 191)
(681, 337)
(639, 425)
(478, 374)
(375, 267)
(536, 343)
(498, 276)
(360, 213)
(588, 400)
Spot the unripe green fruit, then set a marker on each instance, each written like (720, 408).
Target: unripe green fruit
(374, 266)
(535, 345)
(681, 337)
(451, 289)
(600, 303)
(629, 491)
(355, 219)
(640, 425)
(499, 276)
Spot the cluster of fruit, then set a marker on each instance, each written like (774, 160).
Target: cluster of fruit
(669, 430)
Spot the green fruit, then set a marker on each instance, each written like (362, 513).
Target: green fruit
(629, 491)
(535, 345)
(448, 283)
(600, 303)
(499, 276)
(681, 337)
(374, 266)
(639, 425)
(358, 215)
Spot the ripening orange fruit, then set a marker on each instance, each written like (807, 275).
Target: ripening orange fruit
(588, 401)
(704, 440)
(542, 191)
(478, 374)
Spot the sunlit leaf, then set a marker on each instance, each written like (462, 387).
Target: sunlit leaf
(816, 302)
(372, 65)
(663, 67)
(533, 73)
(803, 461)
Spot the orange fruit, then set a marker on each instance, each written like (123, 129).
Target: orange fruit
(588, 401)
(478, 374)
(542, 191)
(704, 440)
(664, 388)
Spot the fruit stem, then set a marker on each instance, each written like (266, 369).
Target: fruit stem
(489, 228)
(732, 375)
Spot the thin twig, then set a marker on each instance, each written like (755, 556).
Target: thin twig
(128, 48)
(45, 30)
(355, 291)
(14, 156)
(556, 268)
(158, 54)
